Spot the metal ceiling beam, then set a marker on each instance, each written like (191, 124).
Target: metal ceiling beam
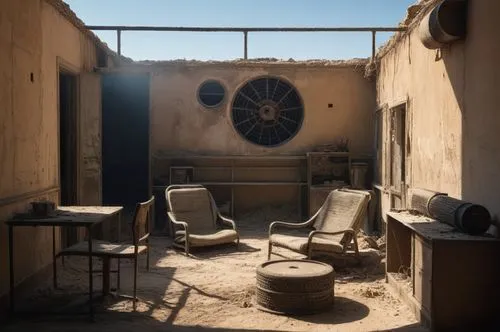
(237, 29)
(245, 31)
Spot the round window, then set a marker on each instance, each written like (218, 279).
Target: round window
(267, 111)
(211, 93)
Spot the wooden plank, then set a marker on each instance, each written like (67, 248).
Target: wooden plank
(333, 154)
(401, 292)
(240, 167)
(422, 272)
(465, 285)
(291, 157)
(90, 122)
(398, 249)
(244, 184)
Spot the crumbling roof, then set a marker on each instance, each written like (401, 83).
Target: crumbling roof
(358, 62)
(65, 10)
(414, 16)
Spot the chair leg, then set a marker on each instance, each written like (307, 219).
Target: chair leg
(186, 247)
(237, 243)
(135, 283)
(309, 253)
(356, 249)
(147, 255)
(269, 250)
(55, 272)
(118, 275)
(54, 258)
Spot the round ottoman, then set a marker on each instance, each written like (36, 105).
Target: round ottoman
(295, 286)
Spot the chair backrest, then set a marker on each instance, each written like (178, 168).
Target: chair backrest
(140, 223)
(342, 209)
(193, 205)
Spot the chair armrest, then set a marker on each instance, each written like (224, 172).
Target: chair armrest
(226, 220)
(346, 231)
(183, 224)
(283, 224)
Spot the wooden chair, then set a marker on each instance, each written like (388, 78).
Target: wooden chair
(108, 250)
(333, 229)
(195, 218)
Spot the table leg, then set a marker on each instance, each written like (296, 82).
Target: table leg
(11, 268)
(106, 271)
(118, 260)
(91, 290)
(54, 258)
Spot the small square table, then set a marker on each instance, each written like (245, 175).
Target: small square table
(66, 216)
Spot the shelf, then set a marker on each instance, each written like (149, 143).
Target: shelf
(336, 185)
(291, 157)
(238, 167)
(243, 184)
(340, 154)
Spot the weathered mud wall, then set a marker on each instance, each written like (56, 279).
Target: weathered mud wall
(180, 124)
(452, 118)
(36, 40)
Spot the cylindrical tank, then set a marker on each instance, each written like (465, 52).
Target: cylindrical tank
(420, 198)
(446, 23)
(467, 217)
(475, 219)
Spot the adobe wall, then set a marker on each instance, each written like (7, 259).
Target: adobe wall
(453, 113)
(34, 39)
(180, 124)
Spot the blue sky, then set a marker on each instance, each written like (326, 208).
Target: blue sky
(255, 13)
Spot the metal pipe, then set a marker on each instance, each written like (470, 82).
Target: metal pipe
(245, 35)
(119, 41)
(238, 29)
(374, 47)
(120, 28)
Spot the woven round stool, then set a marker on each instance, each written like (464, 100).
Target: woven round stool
(295, 287)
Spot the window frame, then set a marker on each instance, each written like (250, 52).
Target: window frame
(202, 103)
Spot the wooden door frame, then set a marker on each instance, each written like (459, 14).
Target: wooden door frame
(399, 192)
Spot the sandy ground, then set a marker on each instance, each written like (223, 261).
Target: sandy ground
(213, 290)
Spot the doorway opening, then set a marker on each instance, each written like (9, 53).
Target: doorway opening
(68, 147)
(125, 140)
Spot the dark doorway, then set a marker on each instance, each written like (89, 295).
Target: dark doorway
(68, 146)
(125, 145)
(68, 138)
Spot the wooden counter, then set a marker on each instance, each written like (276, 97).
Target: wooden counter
(451, 280)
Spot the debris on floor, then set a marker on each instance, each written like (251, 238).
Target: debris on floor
(215, 289)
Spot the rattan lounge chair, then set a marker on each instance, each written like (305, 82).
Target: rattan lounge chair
(333, 228)
(195, 218)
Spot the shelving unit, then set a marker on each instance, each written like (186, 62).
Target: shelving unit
(313, 175)
(326, 171)
(223, 175)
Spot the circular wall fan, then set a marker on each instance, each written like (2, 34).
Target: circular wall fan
(267, 111)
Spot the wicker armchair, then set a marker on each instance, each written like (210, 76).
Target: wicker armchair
(333, 228)
(195, 218)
